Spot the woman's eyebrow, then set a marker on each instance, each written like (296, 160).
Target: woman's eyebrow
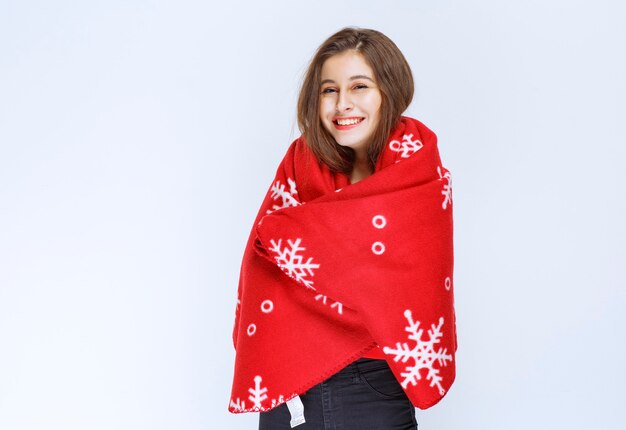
(352, 78)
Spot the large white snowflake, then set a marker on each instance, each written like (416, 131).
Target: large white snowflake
(447, 187)
(292, 262)
(423, 353)
(287, 197)
(407, 147)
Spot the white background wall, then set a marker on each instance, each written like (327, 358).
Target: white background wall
(138, 138)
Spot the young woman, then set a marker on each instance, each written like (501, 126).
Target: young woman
(345, 315)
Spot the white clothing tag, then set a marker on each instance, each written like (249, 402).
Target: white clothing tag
(296, 409)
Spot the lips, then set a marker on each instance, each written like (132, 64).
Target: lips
(347, 122)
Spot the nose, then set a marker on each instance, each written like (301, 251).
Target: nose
(344, 102)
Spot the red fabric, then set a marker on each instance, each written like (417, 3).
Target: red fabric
(331, 269)
(375, 352)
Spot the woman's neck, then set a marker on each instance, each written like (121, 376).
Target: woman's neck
(360, 170)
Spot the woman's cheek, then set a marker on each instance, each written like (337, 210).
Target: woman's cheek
(326, 106)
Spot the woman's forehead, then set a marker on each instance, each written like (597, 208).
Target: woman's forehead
(346, 65)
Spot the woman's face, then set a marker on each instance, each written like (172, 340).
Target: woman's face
(349, 100)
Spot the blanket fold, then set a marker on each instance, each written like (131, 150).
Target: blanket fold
(332, 269)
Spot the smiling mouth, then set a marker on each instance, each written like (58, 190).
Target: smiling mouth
(347, 121)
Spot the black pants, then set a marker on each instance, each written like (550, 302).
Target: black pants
(363, 396)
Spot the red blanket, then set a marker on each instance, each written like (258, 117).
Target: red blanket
(333, 269)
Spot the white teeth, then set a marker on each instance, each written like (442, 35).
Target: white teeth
(348, 121)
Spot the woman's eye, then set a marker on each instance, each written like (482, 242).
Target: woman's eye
(360, 86)
(328, 90)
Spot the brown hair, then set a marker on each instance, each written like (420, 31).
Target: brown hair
(393, 76)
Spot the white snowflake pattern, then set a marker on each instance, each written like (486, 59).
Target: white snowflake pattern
(292, 262)
(287, 197)
(447, 187)
(407, 147)
(278, 401)
(257, 393)
(423, 353)
(337, 305)
(238, 405)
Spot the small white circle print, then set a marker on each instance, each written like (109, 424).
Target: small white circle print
(379, 221)
(378, 248)
(267, 306)
(251, 329)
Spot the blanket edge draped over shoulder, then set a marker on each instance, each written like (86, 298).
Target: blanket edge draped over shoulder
(332, 270)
